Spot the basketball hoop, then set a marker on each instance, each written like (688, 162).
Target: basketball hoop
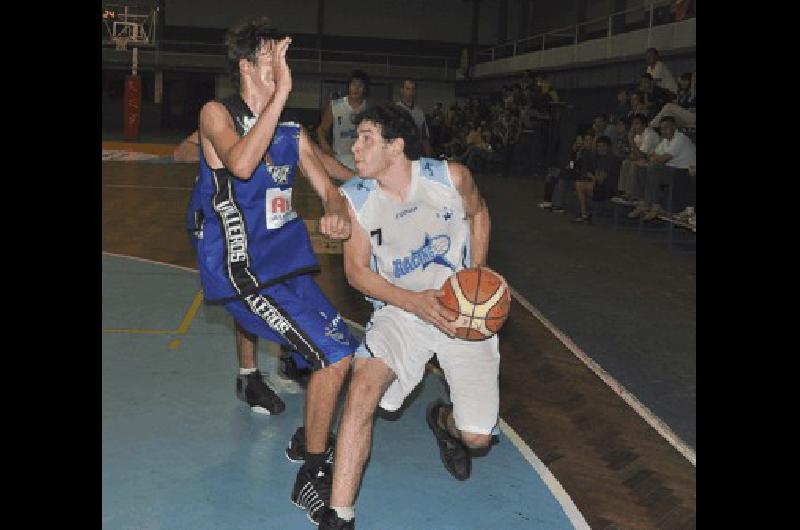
(121, 43)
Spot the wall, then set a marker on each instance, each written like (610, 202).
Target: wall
(439, 20)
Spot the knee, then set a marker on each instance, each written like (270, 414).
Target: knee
(476, 441)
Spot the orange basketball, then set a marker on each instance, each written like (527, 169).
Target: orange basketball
(481, 299)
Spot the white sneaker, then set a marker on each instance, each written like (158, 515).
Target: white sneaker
(545, 204)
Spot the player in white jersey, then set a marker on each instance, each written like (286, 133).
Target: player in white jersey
(415, 222)
(339, 116)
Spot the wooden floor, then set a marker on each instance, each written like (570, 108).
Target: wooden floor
(620, 472)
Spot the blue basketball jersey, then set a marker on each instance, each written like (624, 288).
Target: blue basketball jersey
(247, 234)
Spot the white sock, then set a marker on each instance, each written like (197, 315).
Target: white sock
(245, 371)
(346, 513)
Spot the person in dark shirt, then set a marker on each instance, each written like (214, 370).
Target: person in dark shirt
(598, 178)
(655, 97)
(623, 105)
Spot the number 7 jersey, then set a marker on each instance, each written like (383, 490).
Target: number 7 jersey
(419, 243)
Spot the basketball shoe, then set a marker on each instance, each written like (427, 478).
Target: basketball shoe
(252, 389)
(296, 450)
(329, 520)
(454, 454)
(312, 490)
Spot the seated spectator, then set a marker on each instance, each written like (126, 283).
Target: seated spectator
(477, 148)
(546, 88)
(642, 142)
(555, 181)
(621, 145)
(669, 164)
(659, 72)
(684, 109)
(623, 105)
(507, 130)
(655, 97)
(603, 128)
(638, 105)
(598, 179)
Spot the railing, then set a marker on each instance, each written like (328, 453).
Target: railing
(646, 16)
(390, 62)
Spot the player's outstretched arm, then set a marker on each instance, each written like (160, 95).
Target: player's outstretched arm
(333, 167)
(425, 304)
(335, 222)
(480, 223)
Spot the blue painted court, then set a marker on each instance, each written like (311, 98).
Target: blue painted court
(181, 452)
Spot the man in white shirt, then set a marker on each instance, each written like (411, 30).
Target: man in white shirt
(643, 141)
(659, 71)
(669, 164)
(408, 93)
(339, 116)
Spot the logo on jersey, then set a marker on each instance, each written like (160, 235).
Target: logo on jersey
(279, 208)
(405, 212)
(332, 328)
(247, 123)
(446, 214)
(433, 250)
(427, 167)
(280, 174)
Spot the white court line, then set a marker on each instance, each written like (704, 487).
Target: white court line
(646, 414)
(146, 187)
(570, 510)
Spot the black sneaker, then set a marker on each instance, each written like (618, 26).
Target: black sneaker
(252, 389)
(455, 456)
(312, 490)
(329, 520)
(296, 450)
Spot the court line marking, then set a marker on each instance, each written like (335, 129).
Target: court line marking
(641, 409)
(559, 493)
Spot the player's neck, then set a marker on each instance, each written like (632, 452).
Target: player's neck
(395, 180)
(257, 100)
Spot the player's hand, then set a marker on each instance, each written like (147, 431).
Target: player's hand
(426, 305)
(335, 226)
(282, 73)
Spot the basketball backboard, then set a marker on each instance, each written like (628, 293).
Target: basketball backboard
(130, 22)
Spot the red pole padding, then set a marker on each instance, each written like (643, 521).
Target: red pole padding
(132, 107)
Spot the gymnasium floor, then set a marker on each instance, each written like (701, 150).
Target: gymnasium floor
(179, 451)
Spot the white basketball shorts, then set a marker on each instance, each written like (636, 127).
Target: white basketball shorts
(405, 343)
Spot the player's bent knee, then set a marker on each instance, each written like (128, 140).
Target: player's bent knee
(476, 441)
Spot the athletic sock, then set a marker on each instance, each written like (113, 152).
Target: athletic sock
(315, 460)
(247, 371)
(346, 513)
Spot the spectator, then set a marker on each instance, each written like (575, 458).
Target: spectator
(603, 128)
(546, 88)
(623, 105)
(621, 145)
(637, 105)
(507, 129)
(655, 97)
(642, 141)
(478, 149)
(407, 101)
(669, 164)
(597, 180)
(684, 109)
(437, 124)
(555, 181)
(659, 72)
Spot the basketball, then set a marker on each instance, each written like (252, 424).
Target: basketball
(481, 299)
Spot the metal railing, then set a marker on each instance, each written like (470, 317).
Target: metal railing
(387, 63)
(646, 16)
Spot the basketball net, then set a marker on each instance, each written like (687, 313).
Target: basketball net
(121, 42)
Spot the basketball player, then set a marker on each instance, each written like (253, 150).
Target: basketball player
(408, 94)
(339, 116)
(255, 255)
(416, 221)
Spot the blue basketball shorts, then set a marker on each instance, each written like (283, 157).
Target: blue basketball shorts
(297, 313)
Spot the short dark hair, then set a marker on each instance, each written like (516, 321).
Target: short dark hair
(651, 50)
(667, 118)
(604, 140)
(362, 76)
(243, 41)
(394, 122)
(639, 116)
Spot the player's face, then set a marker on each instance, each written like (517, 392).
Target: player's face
(370, 150)
(356, 89)
(262, 72)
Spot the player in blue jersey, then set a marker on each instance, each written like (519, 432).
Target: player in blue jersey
(255, 255)
(416, 221)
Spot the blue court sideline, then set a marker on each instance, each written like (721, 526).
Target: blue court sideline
(181, 452)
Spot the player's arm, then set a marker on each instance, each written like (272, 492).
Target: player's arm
(333, 167)
(241, 155)
(324, 128)
(187, 150)
(336, 221)
(480, 224)
(424, 304)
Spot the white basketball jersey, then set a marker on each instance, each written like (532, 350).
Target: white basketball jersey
(344, 131)
(419, 243)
